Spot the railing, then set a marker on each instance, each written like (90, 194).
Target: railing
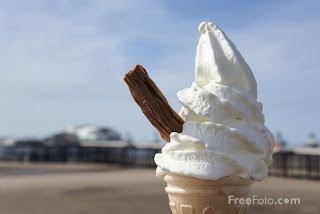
(290, 164)
(285, 164)
(129, 156)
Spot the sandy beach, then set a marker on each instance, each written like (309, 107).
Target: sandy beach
(101, 189)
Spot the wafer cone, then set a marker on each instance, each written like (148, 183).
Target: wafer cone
(189, 195)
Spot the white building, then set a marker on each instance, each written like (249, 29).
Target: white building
(311, 141)
(93, 133)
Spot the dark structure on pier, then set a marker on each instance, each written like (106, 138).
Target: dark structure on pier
(296, 164)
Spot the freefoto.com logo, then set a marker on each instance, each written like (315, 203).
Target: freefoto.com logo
(263, 201)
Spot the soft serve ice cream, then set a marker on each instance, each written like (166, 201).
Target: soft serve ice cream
(224, 132)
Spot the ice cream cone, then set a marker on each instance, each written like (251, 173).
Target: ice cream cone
(189, 195)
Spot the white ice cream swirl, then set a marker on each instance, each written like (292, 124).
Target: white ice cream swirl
(224, 132)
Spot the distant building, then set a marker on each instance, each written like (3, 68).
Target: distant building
(9, 141)
(311, 141)
(279, 142)
(61, 139)
(85, 135)
(93, 133)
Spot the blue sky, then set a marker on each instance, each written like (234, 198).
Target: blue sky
(62, 62)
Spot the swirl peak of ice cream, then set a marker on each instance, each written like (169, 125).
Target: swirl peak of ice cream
(224, 132)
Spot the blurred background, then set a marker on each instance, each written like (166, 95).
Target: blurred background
(72, 139)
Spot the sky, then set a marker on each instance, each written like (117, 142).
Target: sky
(63, 62)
